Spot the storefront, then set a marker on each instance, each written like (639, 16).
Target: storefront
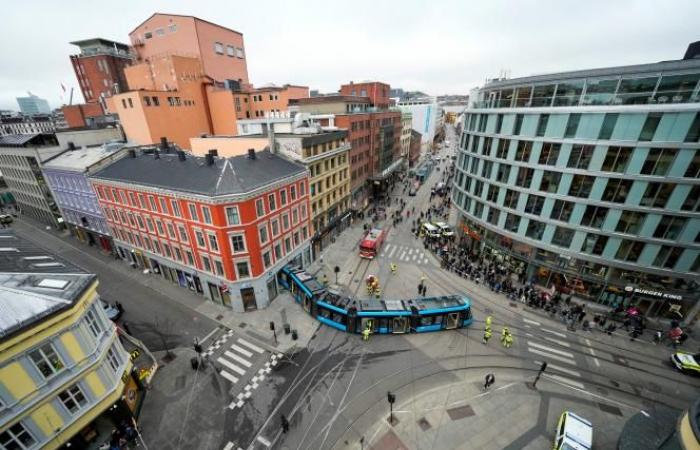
(328, 234)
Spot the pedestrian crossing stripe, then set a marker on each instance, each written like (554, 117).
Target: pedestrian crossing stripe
(404, 253)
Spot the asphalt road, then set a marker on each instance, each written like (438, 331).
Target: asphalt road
(152, 316)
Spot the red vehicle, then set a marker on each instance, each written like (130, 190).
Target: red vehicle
(370, 245)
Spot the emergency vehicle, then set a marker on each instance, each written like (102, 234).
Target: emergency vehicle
(372, 242)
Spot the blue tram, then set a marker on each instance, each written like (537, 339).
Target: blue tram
(381, 316)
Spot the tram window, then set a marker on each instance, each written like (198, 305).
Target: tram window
(338, 318)
(426, 320)
(383, 323)
(323, 312)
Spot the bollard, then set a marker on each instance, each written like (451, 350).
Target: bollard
(295, 336)
(287, 328)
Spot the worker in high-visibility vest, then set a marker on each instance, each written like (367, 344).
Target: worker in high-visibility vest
(365, 334)
(488, 322)
(487, 335)
(509, 341)
(393, 268)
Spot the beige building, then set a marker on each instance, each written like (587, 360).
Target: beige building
(406, 127)
(324, 153)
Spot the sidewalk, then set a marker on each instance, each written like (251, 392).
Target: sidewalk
(462, 415)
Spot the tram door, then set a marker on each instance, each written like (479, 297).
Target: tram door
(368, 321)
(399, 325)
(307, 303)
(452, 321)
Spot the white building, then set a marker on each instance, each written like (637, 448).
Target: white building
(426, 116)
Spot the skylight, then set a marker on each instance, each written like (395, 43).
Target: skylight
(51, 283)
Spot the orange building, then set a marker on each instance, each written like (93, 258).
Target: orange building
(78, 116)
(377, 92)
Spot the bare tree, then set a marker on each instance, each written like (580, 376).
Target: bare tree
(163, 328)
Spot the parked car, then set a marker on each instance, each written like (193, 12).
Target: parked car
(112, 311)
(686, 362)
(573, 433)
(412, 192)
(6, 219)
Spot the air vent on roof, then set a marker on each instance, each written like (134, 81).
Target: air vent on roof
(37, 258)
(8, 249)
(51, 283)
(47, 265)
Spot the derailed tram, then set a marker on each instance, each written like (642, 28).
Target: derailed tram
(418, 315)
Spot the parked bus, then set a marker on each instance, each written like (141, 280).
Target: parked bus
(370, 245)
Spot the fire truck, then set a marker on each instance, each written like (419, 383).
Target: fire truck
(372, 242)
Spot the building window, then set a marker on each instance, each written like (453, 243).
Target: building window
(594, 216)
(650, 126)
(534, 204)
(512, 223)
(581, 186)
(523, 151)
(183, 233)
(630, 222)
(73, 399)
(550, 181)
(694, 130)
(46, 360)
(549, 154)
(658, 161)
(263, 233)
(542, 124)
(572, 125)
(629, 250)
(609, 122)
(670, 227)
(232, 215)
(93, 323)
(283, 197)
(17, 437)
(219, 48)
(238, 243)
(667, 257)
(267, 261)
(562, 237)
(213, 243)
(293, 192)
(271, 201)
(502, 149)
(206, 264)
(499, 123)
(113, 359)
(206, 214)
(218, 267)
(503, 173)
(594, 244)
(193, 212)
(493, 216)
(285, 222)
(657, 194)
(693, 170)
(535, 229)
(524, 177)
(156, 101)
(518, 124)
(692, 202)
(259, 207)
(242, 269)
(580, 156)
(616, 190)
(562, 210)
(200, 239)
(511, 199)
(616, 159)
(176, 208)
(230, 50)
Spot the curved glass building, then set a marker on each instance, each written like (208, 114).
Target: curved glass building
(589, 181)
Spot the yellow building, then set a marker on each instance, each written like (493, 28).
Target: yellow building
(61, 363)
(406, 127)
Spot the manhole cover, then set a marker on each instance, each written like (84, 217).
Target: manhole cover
(610, 409)
(219, 317)
(424, 424)
(242, 325)
(461, 412)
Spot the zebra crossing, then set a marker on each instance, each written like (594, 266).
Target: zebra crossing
(237, 359)
(404, 253)
(553, 355)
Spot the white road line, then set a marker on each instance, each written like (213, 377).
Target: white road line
(554, 332)
(264, 441)
(238, 359)
(560, 369)
(229, 446)
(228, 376)
(231, 366)
(211, 333)
(402, 253)
(550, 349)
(595, 360)
(548, 355)
(557, 341)
(391, 253)
(531, 322)
(250, 345)
(242, 351)
(566, 381)
(414, 257)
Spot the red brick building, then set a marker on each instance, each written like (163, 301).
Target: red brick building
(414, 150)
(377, 92)
(222, 227)
(100, 68)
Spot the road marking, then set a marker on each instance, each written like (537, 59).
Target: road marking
(229, 446)
(528, 335)
(566, 381)
(554, 332)
(231, 366)
(590, 349)
(550, 349)
(545, 354)
(402, 253)
(557, 341)
(264, 441)
(560, 369)
(211, 333)
(242, 351)
(228, 376)
(531, 322)
(414, 257)
(391, 253)
(250, 345)
(237, 358)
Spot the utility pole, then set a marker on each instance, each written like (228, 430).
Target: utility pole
(543, 367)
(274, 333)
(391, 398)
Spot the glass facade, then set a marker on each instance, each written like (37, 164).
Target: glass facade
(593, 200)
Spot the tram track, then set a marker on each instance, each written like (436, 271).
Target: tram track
(363, 262)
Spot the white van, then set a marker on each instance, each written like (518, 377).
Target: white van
(444, 228)
(431, 230)
(573, 433)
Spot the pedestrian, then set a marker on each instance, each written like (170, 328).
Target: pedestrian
(365, 333)
(420, 288)
(489, 380)
(509, 341)
(488, 322)
(125, 325)
(487, 336)
(393, 268)
(324, 279)
(425, 288)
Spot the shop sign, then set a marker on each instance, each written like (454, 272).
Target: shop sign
(652, 293)
(471, 233)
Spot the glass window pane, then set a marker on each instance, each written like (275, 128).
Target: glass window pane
(523, 96)
(568, 93)
(542, 95)
(637, 90)
(609, 122)
(676, 88)
(650, 126)
(599, 92)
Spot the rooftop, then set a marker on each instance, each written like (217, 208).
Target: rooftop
(34, 283)
(80, 159)
(26, 140)
(192, 174)
(329, 99)
(100, 41)
(183, 15)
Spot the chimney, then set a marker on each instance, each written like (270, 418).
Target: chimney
(270, 137)
(71, 145)
(210, 159)
(164, 145)
(251, 153)
(214, 152)
(132, 152)
(181, 155)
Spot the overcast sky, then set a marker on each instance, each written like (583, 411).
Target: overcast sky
(434, 46)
